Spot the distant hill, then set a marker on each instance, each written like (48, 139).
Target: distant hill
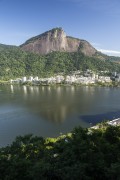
(4, 47)
(16, 63)
(114, 59)
(57, 40)
(52, 52)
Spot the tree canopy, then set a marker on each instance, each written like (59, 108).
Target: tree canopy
(82, 154)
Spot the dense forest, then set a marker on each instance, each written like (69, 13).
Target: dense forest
(84, 154)
(16, 63)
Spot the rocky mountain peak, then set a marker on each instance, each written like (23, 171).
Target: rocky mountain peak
(57, 40)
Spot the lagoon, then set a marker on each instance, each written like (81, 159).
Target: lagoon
(49, 111)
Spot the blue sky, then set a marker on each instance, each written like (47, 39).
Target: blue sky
(97, 21)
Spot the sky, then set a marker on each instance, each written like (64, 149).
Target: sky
(97, 21)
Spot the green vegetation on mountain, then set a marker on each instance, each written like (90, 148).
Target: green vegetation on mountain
(16, 63)
(84, 154)
(114, 59)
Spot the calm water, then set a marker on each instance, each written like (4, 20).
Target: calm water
(49, 111)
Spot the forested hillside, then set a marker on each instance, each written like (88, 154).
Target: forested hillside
(17, 63)
(114, 59)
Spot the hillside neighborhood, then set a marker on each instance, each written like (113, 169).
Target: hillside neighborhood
(76, 77)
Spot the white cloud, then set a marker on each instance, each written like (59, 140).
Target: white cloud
(109, 52)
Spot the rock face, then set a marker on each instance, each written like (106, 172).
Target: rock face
(56, 40)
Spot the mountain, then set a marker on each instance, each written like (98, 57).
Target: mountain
(57, 40)
(50, 53)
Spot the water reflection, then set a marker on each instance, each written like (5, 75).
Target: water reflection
(12, 88)
(93, 119)
(57, 104)
(52, 103)
(49, 110)
(55, 115)
(25, 90)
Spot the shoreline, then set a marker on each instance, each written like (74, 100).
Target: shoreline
(61, 84)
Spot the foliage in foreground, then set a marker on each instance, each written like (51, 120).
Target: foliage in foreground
(85, 154)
